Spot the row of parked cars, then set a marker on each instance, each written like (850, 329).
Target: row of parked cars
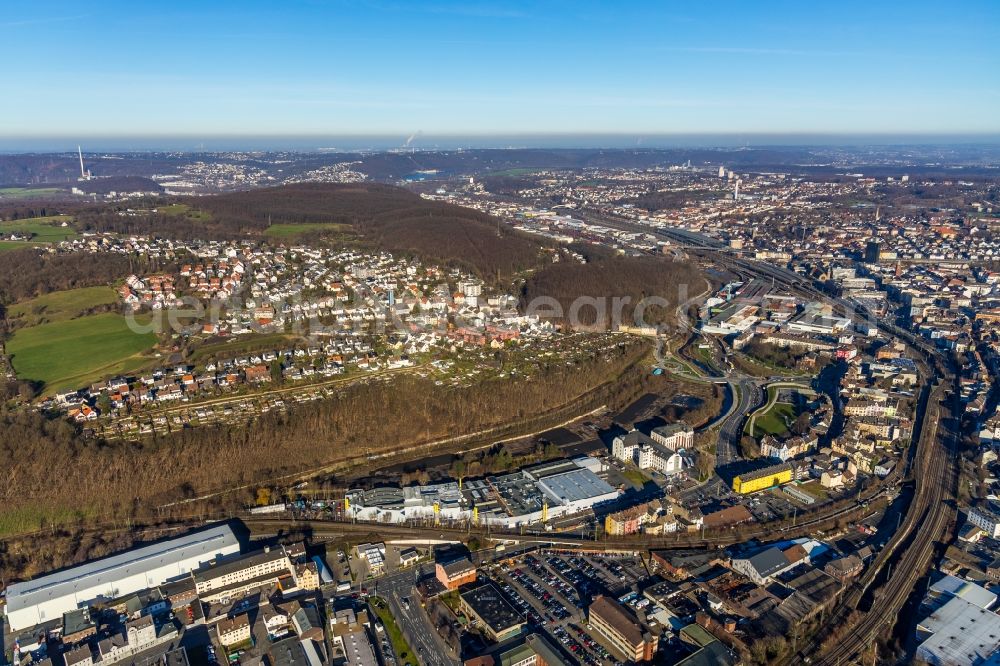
(554, 609)
(575, 638)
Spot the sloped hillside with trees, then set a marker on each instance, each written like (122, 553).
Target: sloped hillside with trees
(26, 273)
(389, 218)
(606, 277)
(380, 216)
(116, 479)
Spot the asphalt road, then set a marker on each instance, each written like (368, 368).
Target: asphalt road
(424, 640)
(727, 449)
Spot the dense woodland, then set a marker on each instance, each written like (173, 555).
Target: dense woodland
(19, 211)
(379, 216)
(26, 273)
(120, 479)
(606, 277)
(105, 219)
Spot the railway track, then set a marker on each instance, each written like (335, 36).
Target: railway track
(927, 519)
(927, 524)
(929, 515)
(272, 526)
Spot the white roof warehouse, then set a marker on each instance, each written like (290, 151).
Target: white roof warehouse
(43, 599)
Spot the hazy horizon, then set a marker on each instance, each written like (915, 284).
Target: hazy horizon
(538, 140)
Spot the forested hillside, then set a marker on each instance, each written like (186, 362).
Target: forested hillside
(119, 479)
(380, 216)
(606, 277)
(26, 272)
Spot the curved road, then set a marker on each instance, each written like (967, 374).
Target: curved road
(750, 397)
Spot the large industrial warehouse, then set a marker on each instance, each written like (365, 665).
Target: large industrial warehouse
(47, 598)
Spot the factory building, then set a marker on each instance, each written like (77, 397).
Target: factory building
(570, 487)
(959, 633)
(49, 597)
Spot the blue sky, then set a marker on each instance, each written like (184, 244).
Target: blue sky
(388, 67)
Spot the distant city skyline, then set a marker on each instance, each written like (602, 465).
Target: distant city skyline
(644, 73)
(346, 143)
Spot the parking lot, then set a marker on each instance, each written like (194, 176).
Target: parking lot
(553, 589)
(769, 505)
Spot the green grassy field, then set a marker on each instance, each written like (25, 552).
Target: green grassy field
(707, 359)
(28, 192)
(29, 519)
(60, 305)
(7, 246)
(772, 422)
(73, 353)
(242, 345)
(292, 230)
(815, 489)
(636, 477)
(184, 210)
(516, 171)
(43, 229)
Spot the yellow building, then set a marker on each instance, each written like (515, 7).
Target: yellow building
(307, 576)
(760, 479)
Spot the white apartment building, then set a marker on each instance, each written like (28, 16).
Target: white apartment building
(233, 631)
(647, 453)
(236, 575)
(674, 436)
(986, 519)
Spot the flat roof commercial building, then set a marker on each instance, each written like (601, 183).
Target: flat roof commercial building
(536, 493)
(577, 489)
(960, 633)
(536, 650)
(818, 318)
(49, 597)
(498, 618)
(949, 587)
(546, 654)
(733, 319)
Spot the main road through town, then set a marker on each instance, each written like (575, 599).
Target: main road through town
(399, 590)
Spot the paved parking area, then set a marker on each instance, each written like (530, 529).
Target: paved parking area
(769, 505)
(554, 588)
(550, 612)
